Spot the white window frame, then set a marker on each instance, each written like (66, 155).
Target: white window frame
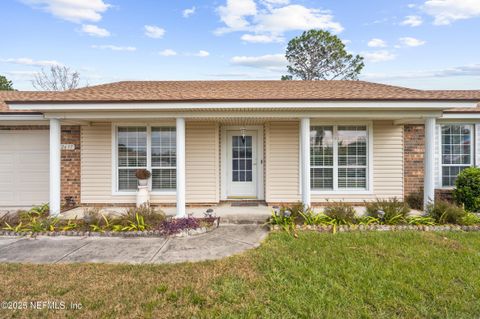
(148, 126)
(440, 150)
(369, 174)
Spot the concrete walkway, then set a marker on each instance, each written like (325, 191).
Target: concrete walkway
(221, 242)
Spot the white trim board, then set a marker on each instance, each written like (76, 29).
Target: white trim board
(275, 105)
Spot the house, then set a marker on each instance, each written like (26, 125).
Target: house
(212, 141)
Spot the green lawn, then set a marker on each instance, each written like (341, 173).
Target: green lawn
(346, 275)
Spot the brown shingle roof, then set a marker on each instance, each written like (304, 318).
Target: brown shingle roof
(164, 91)
(16, 95)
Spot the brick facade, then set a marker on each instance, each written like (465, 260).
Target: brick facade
(70, 160)
(414, 148)
(70, 177)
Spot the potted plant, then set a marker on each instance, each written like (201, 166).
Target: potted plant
(143, 175)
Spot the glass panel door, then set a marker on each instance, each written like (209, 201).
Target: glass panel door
(241, 159)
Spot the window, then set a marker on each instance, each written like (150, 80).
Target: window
(153, 148)
(339, 157)
(132, 155)
(164, 158)
(457, 151)
(242, 158)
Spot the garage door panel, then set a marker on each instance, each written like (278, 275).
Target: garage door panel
(24, 162)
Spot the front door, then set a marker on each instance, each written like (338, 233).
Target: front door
(241, 164)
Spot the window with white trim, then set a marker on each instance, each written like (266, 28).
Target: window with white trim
(339, 157)
(152, 148)
(457, 151)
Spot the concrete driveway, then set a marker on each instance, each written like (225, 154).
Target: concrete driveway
(221, 242)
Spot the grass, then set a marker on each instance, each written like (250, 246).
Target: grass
(347, 275)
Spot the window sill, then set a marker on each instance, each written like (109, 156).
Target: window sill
(342, 192)
(152, 193)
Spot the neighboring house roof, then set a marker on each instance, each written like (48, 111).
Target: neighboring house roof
(190, 91)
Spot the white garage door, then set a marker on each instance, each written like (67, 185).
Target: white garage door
(24, 167)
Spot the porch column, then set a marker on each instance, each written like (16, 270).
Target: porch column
(429, 166)
(305, 158)
(180, 168)
(55, 157)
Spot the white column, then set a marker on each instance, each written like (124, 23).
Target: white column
(180, 168)
(305, 158)
(55, 169)
(429, 166)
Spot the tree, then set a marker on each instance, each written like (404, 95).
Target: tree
(6, 84)
(320, 55)
(57, 78)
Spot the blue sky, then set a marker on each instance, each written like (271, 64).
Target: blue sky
(422, 43)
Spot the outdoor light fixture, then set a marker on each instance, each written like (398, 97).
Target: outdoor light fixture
(276, 210)
(380, 214)
(243, 131)
(209, 212)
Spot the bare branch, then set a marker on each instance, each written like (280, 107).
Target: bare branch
(57, 78)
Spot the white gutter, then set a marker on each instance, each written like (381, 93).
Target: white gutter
(475, 115)
(20, 117)
(268, 105)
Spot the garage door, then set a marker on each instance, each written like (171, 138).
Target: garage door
(24, 167)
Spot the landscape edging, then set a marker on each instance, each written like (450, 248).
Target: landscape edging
(129, 234)
(360, 228)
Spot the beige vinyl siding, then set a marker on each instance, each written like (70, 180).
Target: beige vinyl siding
(202, 162)
(282, 162)
(201, 166)
(282, 166)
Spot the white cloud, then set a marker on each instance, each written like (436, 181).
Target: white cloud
(234, 13)
(466, 70)
(95, 31)
(167, 52)
(202, 54)
(448, 11)
(188, 12)
(296, 17)
(114, 48)
(21, 75)
(155, 32)
(277, 2)
(273, 18)
(411, 42)
(31, 62)
(411, 5)
(379, 56)
(272, 62)
(377, 43)
(72, 10)
(412, 21)
(261, 38)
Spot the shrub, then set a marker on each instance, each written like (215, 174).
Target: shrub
(470, 219)
(148, 214)
(143, 173)
(444, 212)
(388, 211)
(176, 225)
(421, 220)
(467, 189)
(415, 200)
(342, 213)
